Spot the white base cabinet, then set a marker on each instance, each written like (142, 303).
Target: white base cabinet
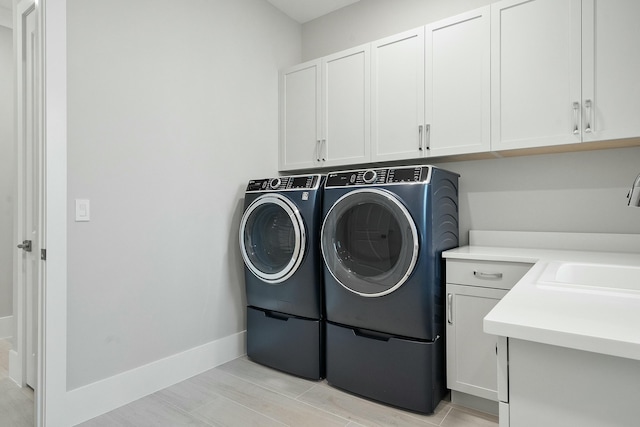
(473, 289)
(557, 387)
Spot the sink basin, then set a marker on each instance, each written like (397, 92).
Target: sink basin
(593, 277)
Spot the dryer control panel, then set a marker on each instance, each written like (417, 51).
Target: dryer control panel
(365, 177)
(284, 183)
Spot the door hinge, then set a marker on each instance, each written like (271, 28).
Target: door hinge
(43, 254)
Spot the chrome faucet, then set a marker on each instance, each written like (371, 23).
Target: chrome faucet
(634, 193)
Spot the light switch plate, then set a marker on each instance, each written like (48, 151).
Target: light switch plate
(83, 210)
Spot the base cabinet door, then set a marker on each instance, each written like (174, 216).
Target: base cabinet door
(471, 353)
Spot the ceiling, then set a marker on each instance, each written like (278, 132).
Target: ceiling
(307, 10)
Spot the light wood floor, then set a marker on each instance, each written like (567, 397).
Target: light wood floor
(243, 393)
(16, 404)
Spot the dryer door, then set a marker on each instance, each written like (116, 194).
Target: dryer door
(369, 242)
(272, 238)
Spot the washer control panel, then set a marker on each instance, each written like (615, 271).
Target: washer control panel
(284, 183)
(366, 177)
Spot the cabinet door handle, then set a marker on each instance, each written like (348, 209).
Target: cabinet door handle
(420, 138)
(427, 139)
(318, 150)
(588, 114)
(576, 109)
(323, 149)
(450, 309)
(487, 276)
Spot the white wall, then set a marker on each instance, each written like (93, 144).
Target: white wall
(7, 165)
(172, 108)
(369, 20)
(573, 192)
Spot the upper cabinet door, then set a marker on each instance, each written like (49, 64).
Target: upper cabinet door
(347, 115)
(611, 69)
(458, 82)
(536, 73)
(300, 116)
(397, 96)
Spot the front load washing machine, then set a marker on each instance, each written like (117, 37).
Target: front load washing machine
(382, 237)
(279, 242)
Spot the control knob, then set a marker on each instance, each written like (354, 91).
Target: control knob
(369, 176)
(274, 183)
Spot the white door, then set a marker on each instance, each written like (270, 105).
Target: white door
(29, 218)
(458, 65)
(397, 96)
(535, 73)
(346, 104)
(610, 69)
(300, 116)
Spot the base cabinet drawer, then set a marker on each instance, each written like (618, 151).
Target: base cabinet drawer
(487, 274)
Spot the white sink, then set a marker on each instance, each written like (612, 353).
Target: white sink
(607, 278)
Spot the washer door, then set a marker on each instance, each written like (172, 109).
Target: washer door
(272, 238)
(369, 242)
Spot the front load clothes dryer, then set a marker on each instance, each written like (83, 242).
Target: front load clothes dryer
(279, 243)
(382, 237)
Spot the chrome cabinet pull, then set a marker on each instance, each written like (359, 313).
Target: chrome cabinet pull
(428, 136)
(25, 245)
(588, 113)
(450, 309)
(317, 150)
(323, 149)
(420, 138)
(487, 276)
(576, 109)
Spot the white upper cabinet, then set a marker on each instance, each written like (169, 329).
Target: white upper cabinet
(458, 82)
(324, 111)
(300, 116)
(512, 75)
(397, 96)
(347, 116)
(611, 69)
(535, 73)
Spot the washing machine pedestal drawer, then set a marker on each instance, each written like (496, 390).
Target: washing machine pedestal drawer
(396, 371)
(288, 343)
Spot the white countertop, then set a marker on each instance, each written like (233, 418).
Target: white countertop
(599, 322)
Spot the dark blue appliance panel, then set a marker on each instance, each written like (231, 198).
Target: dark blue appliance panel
(269, 240)
(400, 372)
(379, 239)
(288, 343)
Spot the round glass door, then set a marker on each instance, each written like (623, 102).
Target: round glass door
(369, 242)
(272, 238)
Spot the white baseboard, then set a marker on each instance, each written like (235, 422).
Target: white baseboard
(15, 367)
(106, 395)
(6, 327)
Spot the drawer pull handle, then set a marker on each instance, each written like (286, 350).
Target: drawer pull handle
(487, 276)
(450, 309)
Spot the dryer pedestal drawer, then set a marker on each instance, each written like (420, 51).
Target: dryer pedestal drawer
(287, 343)
(393, 370)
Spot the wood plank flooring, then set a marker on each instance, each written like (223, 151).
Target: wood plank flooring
(16, 404)
(243, 393)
